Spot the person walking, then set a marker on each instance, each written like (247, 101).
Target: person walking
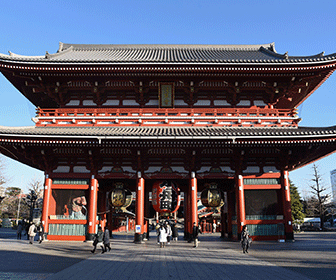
(174, 231)
(245, 239)
(214, 226)
(31, 233)
(19, 230)
(40, 230)
(106, 240)
(195, 232)
(98, 239)
(157, 227)
(162, 236)
(26, 228)
(169, 232)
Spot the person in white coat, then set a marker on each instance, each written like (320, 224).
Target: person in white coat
(31, 233)
(162, 236)
(169, 232)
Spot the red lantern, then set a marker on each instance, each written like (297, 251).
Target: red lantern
(165, 197)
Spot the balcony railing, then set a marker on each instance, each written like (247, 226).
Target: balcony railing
(246, 117)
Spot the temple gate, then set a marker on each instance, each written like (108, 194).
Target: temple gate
(122, 130)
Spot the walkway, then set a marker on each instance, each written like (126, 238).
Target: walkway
(213, 259)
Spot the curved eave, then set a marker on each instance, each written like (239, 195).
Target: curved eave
(299, 62)
(99, 67)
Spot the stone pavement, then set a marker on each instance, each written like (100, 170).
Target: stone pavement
(179, 260)
(213, 259)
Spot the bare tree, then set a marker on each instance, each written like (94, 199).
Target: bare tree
(2, 180)
(36, 186)
(319, 196)
(34, 199)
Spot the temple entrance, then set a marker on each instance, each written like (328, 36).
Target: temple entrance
(122, 218)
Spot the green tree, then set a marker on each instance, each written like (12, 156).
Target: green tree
(296, 205)
(10, 204)
(12, 191)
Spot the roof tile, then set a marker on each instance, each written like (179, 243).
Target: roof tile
(158, 132)
(200, 54)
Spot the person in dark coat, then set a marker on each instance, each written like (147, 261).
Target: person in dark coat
(19, 230)
(98, 239)
(26, 228)
(245, 239)
(195, 232)
(106, 240)
(40, 231)
(174, 231)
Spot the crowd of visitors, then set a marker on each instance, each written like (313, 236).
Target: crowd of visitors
(167, 231)
(31, 231)
(102, 239)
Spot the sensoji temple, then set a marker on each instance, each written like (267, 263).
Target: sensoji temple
(129, 133)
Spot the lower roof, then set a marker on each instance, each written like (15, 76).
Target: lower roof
(168, 132)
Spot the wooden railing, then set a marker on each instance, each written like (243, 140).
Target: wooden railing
(253, 116)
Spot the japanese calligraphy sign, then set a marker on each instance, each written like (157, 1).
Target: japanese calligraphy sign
(166, 95)
(165, 196)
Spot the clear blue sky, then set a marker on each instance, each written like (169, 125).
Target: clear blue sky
(299, 27)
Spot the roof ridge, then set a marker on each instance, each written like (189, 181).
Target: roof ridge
(65, 46)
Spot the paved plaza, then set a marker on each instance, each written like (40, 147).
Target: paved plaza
(311, 256)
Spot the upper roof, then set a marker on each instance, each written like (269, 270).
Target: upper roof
(175, 54)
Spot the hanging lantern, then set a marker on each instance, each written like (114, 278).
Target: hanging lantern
(165, 197)
(120, 196)
(212, 196)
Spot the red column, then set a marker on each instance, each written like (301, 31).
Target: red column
(92, 213)
(286, 202)
(193, 201)
(139, 209)
(240, 204)
(46, 200)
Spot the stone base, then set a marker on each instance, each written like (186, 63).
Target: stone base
(138, 237)
(90, 236)
(289, 236)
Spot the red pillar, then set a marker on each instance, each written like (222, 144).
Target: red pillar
(139, 209)
(286, 202)
(92, 213)
(193, 201)
(240, 204)
(46, 201)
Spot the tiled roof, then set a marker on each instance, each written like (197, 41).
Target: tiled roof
(172, 54)
(165, 132)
